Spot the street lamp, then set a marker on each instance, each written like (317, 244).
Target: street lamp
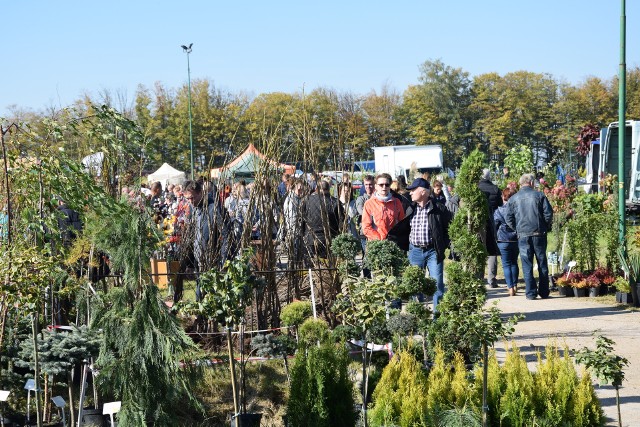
(187, 50)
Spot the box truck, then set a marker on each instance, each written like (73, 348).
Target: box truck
(401, 159)
(603, 156)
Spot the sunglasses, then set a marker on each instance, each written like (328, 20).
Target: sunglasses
(384, 185)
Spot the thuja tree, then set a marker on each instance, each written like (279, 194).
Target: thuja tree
(321, 392)
(468, 228)
(464, 325)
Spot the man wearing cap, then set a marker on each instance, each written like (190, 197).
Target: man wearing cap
(382, 211)
(428, 236)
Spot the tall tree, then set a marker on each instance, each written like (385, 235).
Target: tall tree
(381, 112)
(515, 109)
(436, 110)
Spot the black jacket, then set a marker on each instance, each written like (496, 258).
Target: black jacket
(493, 193)
(494, 198)
(322, 215)
(439, 219)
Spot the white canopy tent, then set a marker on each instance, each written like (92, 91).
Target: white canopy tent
(167, 175)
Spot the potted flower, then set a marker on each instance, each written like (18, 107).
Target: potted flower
(592, 282)
(606, 278)
(579, 284)
(564, 286)
(623, 291)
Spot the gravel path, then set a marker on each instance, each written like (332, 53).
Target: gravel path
(574, 320)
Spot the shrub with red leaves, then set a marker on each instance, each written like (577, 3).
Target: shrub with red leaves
(587, 134)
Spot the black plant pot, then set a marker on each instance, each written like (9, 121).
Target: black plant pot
(594, 292)
(565, 291)
(246, 420)
(92, 417)
(624, 297)
(580, 292)
(635, 293)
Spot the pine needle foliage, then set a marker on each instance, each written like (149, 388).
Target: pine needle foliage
(400, 396)
(321, 393)
(516, 403)
(146, 359)
(58, 352)
(129, 237)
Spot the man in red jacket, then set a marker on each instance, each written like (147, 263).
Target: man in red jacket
(382, 211)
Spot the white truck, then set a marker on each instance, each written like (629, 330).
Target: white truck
(401, 159)
(603, 160)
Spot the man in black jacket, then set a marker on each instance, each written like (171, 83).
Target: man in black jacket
(322, 215)
(494, 197)
(425, 234)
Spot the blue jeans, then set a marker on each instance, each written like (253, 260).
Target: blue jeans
(509, 254)
(530, 247)
(429, 258)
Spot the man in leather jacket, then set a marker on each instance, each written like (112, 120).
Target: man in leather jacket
(425, 234)
(530, 215)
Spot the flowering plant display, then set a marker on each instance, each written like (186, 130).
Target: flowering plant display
(592, 281)
(167, 247)
(561, 195)
(604, 275)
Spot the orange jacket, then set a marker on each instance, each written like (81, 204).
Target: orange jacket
(379, 217)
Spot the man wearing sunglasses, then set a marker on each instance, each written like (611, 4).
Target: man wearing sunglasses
(382, 211)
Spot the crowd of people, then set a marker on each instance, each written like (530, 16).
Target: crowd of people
(303, 217)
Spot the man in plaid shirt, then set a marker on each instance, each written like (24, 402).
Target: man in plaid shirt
(428, 238)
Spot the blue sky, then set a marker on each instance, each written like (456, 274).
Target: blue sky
(54, 51)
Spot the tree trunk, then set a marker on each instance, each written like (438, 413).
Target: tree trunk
(233, 371)
(70, 387)
(34, 331)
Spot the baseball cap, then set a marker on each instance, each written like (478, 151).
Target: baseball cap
(419, 182)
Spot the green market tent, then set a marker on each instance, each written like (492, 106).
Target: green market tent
(246, 165)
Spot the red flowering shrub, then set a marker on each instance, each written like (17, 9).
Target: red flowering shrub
(561, 195)
(592, 281)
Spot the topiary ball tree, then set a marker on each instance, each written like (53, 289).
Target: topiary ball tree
(414, 282)
(385, 257)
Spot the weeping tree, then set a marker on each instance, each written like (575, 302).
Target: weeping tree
(146, 359)
(145, 356)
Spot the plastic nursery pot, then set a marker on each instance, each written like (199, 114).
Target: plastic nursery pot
(565, 291)
(594, 292)
(635, 293)
(580, 292)
(624, 297)
(246, 420)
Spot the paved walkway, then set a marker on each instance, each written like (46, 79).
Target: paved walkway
(574, 320)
